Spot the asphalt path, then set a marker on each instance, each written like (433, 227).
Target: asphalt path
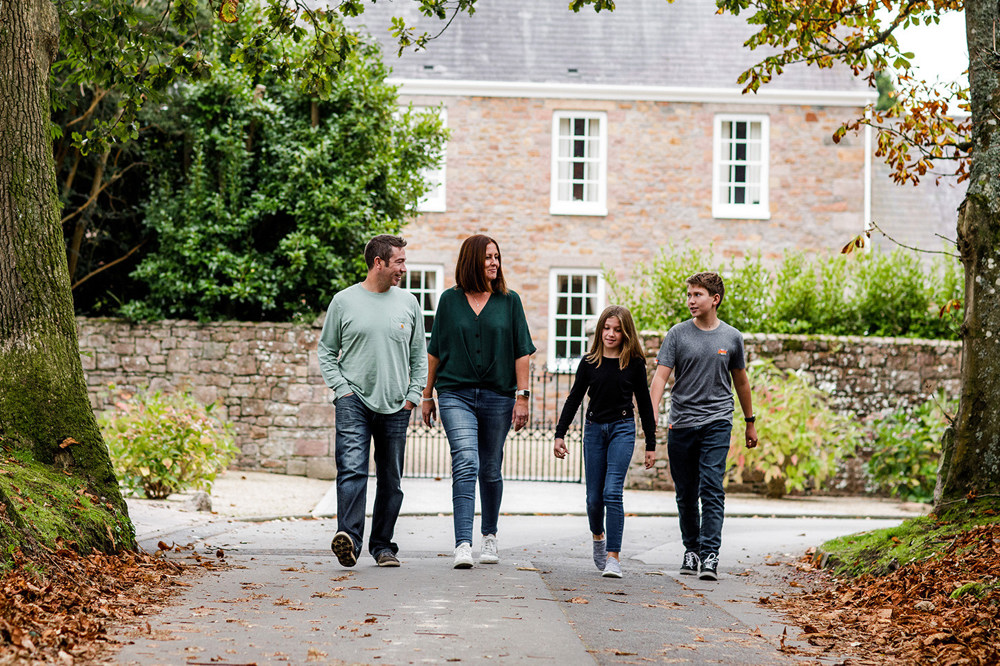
(285, 599)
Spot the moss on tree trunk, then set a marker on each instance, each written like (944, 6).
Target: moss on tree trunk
(970, 463)
(47, 425)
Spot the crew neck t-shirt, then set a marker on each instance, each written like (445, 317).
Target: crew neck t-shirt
(702, 362)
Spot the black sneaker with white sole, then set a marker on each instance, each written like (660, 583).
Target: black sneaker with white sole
(710, 567)
(690, 565)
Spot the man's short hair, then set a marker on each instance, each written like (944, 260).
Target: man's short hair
(381, 247)
(712, 282)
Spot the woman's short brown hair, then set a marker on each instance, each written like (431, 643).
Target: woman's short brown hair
(470, 271)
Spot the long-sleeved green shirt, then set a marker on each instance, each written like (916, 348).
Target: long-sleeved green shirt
(479, 350)
(372, 345)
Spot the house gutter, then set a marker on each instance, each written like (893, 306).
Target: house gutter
(460, 88)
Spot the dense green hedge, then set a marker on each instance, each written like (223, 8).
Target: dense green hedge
(894, 294)
(265, 194)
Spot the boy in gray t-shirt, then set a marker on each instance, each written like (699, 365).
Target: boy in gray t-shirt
(706, 356)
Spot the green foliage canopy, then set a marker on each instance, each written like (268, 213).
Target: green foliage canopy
(255, 212)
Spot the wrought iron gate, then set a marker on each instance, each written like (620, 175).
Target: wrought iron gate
(527, 453)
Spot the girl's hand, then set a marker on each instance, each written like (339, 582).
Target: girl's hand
(650, 459)
(428, 409)
(560, 450)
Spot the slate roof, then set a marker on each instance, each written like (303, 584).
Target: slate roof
(643, 42)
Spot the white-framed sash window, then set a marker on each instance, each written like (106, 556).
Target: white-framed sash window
(579, 163)
(425, 282)
(576, 299)
(740, 167)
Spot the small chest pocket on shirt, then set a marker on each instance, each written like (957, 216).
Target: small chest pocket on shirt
(401, 328)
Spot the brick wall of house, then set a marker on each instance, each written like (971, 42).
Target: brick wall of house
(659, 189)
(268, 379)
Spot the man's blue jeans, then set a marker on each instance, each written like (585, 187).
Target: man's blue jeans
(357, 428)
(607, 453)
(698, 464)
(476, 422)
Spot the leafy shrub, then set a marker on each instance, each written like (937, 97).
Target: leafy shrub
(165, 443)
(906, 449)
(887, 294)
(801, 437)
(255, 212)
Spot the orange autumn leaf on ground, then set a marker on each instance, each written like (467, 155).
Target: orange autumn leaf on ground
(939, 610)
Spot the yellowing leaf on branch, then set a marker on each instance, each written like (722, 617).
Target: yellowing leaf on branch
(227, 11)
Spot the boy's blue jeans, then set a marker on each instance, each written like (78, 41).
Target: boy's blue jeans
(698, 464)
(476, 422)
(358, 427)
(607, 453)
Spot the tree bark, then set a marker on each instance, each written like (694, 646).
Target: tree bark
(46, 419)
(970, 463)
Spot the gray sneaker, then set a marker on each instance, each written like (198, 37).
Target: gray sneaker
(463, 556)
(490, 553)
(600, 553)
(613, 568)
(387, 559)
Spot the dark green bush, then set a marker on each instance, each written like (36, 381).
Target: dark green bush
(257, 214)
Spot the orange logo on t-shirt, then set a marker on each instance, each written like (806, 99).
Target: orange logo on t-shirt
(723, 352)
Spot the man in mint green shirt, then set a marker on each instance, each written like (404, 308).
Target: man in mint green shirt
(373, 357)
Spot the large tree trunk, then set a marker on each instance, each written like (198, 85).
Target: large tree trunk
(49, 439)
(970, 464)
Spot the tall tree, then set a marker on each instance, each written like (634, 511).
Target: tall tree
(916, 135)
(57, 484)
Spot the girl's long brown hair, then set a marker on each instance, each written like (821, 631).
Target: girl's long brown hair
(631, 347)
(470, 271)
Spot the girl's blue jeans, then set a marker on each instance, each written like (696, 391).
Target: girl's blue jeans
(607, 453)
(476, 422)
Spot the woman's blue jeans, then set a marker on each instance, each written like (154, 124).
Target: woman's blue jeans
(698, 465)
(476, 422)
(607, 453)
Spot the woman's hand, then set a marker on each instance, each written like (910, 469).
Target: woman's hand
(560, 450)
(428, 410)
(650, 459)
(520, 416)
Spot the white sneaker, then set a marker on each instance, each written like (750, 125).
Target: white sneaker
(463, 556)
(490, 553)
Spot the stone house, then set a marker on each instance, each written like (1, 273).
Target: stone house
(587, 142)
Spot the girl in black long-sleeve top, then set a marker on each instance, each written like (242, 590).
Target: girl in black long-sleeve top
(611, 374)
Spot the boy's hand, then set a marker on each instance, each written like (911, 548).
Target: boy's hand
(560, 450)
(751, 435)
(650, 459)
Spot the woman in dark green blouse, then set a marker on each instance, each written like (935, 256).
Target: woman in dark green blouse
(478, 360)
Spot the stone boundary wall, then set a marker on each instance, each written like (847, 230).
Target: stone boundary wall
(267, 376)
(865, 376)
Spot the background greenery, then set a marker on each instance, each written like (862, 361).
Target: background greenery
(894, 294)
(229, 202)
